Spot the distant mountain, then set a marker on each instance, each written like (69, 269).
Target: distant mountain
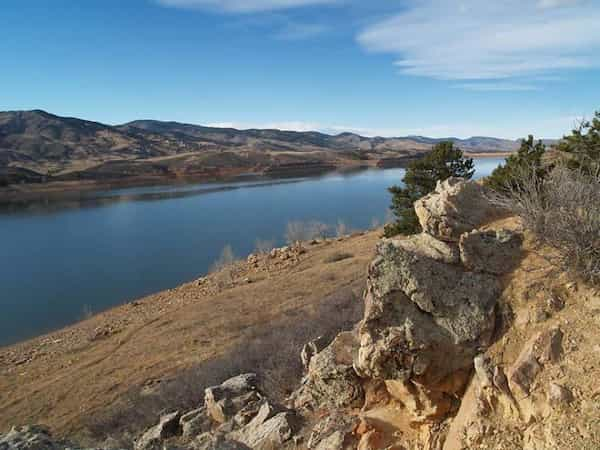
(72, 148)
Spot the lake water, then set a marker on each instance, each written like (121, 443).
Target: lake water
(59, 260)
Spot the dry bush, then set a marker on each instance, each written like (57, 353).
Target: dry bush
(341, 229)
(563, 210)
(272, 350)
(226, 258)
(262, 246)
(338, 256)
(304, 231)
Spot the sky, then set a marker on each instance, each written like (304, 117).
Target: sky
(439, 68)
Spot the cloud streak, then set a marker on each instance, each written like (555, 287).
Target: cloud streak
(244, 6)
(475, 40)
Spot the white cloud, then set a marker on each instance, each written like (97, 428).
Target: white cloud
(244, 6)
(497, 87)
(542, 127)
(301, 31)
(489, 40)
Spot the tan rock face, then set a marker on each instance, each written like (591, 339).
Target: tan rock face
(454, 208)
(225, 400)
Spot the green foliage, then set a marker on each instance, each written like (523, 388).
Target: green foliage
(583, 145)
(527, 159)
(443, 162)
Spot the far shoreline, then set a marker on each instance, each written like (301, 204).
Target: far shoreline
(14, 195)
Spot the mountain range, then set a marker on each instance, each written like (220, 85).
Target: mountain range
(37, 144)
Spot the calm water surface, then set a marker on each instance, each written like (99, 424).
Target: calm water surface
(59, 260)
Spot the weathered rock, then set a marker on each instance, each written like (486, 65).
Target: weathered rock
(208, 441)
(225, 400)
(194, 423)
(28, 438)
(426, 245)
(541, 349)
(331, 378)
(492, 252)
(167, 427)
(424, 319)
(311, 349)
(265, 432)
(333, 432)
(455, 207)
(559, 395)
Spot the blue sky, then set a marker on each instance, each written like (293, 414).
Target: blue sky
(397, 67)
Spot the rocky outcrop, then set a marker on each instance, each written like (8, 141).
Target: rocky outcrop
(454, 208)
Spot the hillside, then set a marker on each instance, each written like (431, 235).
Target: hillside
(468, 337)
(63, 149)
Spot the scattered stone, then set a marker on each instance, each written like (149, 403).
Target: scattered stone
(559, 395)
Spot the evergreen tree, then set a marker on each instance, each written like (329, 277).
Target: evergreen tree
(527, 159)
(583, 145)
(421, 177)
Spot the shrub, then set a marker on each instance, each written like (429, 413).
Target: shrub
(444, 161)
(305, 231)
(341, 229)
(529, 157)
(226, 258)
(582, 146)
(262, 246)
(563, 210)
(338, 256)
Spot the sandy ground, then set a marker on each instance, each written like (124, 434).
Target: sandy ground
(64, 378)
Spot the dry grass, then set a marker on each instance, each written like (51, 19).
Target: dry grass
(76, 385)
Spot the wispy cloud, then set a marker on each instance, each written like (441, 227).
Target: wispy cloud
(301, 31)
(472, 40)
(497, 87)
(244, 6)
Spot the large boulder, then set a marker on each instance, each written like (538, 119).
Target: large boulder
(494, 251)
(455, 207)
(458, 301)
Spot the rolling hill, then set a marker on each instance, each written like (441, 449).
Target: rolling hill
(66, 149)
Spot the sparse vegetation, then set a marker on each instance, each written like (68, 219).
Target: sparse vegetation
(563, 210)
(226, 258)
(529, 158)
(305, 231)
(262, 246)
(582, 146)
(338, 256)
(443, 162)
(341, 229)
(278, 366)
(560, 203)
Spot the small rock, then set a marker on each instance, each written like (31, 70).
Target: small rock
(559, 395)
